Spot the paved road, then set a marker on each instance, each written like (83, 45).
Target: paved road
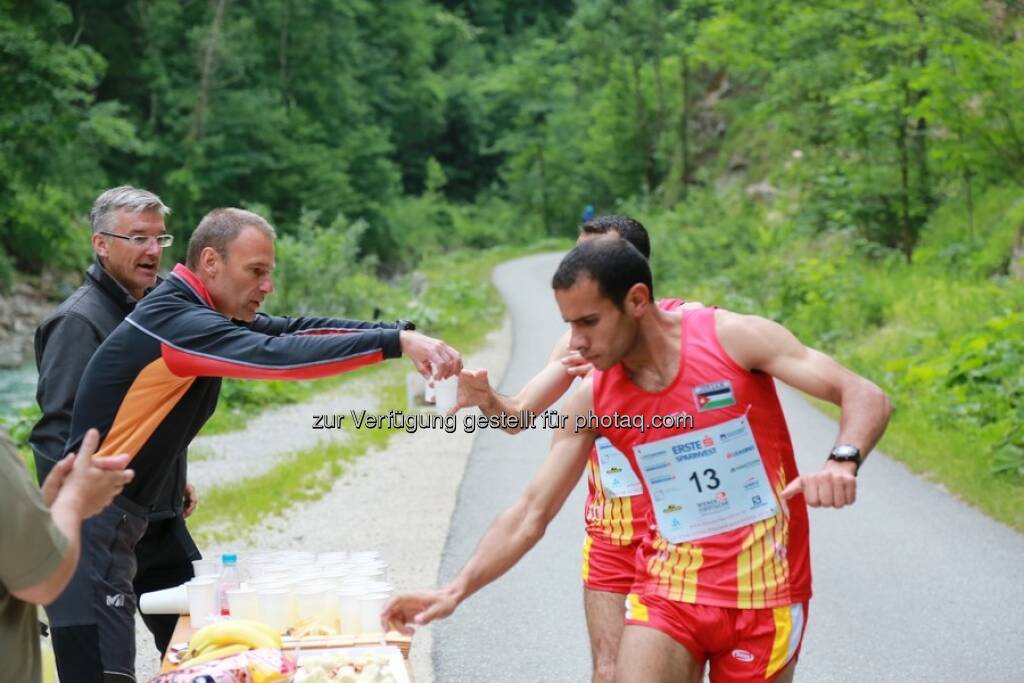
(910, 585)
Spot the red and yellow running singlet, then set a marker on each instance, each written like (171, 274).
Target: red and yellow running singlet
(763, 564)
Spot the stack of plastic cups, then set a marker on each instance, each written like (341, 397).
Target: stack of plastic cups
(283, 588)
(370, 607)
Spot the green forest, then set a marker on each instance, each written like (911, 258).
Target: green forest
(853, 169)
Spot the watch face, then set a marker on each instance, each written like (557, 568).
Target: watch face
(846, 452)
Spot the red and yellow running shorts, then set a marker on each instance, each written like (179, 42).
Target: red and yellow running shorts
(608, 567)
(739, 644)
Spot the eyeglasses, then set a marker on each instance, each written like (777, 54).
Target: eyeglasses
(163, 241)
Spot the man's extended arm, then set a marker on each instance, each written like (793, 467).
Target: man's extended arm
(275, 324)
(760, 344)
(514, 532)
(204, 343)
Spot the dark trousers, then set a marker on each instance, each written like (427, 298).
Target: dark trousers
(93, 621)
(164, 557)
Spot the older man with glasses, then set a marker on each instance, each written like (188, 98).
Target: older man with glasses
(128, 239)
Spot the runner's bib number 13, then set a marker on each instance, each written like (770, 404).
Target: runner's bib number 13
(707, 481)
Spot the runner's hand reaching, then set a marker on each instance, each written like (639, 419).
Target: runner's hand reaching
(416, 608)
(834, 486)
(474, 390)
(432, 357)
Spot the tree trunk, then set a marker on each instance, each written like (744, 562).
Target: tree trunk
(906, 238)
(677, 186)
(659, 90)
(645, 129)
(684, 124)
(283, 55)
(925, 194)
(544, 210)
(206, 73)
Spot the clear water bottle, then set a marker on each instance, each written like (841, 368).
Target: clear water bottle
(229, 580)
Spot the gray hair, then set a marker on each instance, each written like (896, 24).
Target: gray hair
(124, 198)
(219, 228)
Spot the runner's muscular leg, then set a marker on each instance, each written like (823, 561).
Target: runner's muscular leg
(647, 655)
(605, 620)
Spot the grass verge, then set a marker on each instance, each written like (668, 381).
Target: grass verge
(227, 511)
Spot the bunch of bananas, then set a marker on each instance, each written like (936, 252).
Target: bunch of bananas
(227, 638)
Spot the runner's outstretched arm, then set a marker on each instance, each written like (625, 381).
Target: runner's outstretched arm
(759, 344)
(514, 532)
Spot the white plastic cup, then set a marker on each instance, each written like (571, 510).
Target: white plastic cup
(205, 568)
(350, 620)
(166, 601)
(275, 607)
(370, 607)
(202, 601)
(243, 604)
(447, 394)
(415, 391)
(314, 602)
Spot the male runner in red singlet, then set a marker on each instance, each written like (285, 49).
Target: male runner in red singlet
(723, 579)
(615, 507)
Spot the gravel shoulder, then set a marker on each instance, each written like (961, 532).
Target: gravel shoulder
(273, 434)
(398, 500)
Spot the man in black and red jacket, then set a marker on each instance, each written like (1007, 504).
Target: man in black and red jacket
(155, 381)
(128, 238)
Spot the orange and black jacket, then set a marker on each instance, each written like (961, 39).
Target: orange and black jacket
(154, 381)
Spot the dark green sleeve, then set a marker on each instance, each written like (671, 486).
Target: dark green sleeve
(31, 545)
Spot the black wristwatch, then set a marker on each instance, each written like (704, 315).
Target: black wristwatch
(405, 325)
(844, 452)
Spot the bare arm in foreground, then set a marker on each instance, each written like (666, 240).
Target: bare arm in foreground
(759, 344)
(514, 532)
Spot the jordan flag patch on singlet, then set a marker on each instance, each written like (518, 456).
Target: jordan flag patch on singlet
(714, 395)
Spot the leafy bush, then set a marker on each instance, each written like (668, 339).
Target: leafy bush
(19, 427)
(320, 271)
(948, 244)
